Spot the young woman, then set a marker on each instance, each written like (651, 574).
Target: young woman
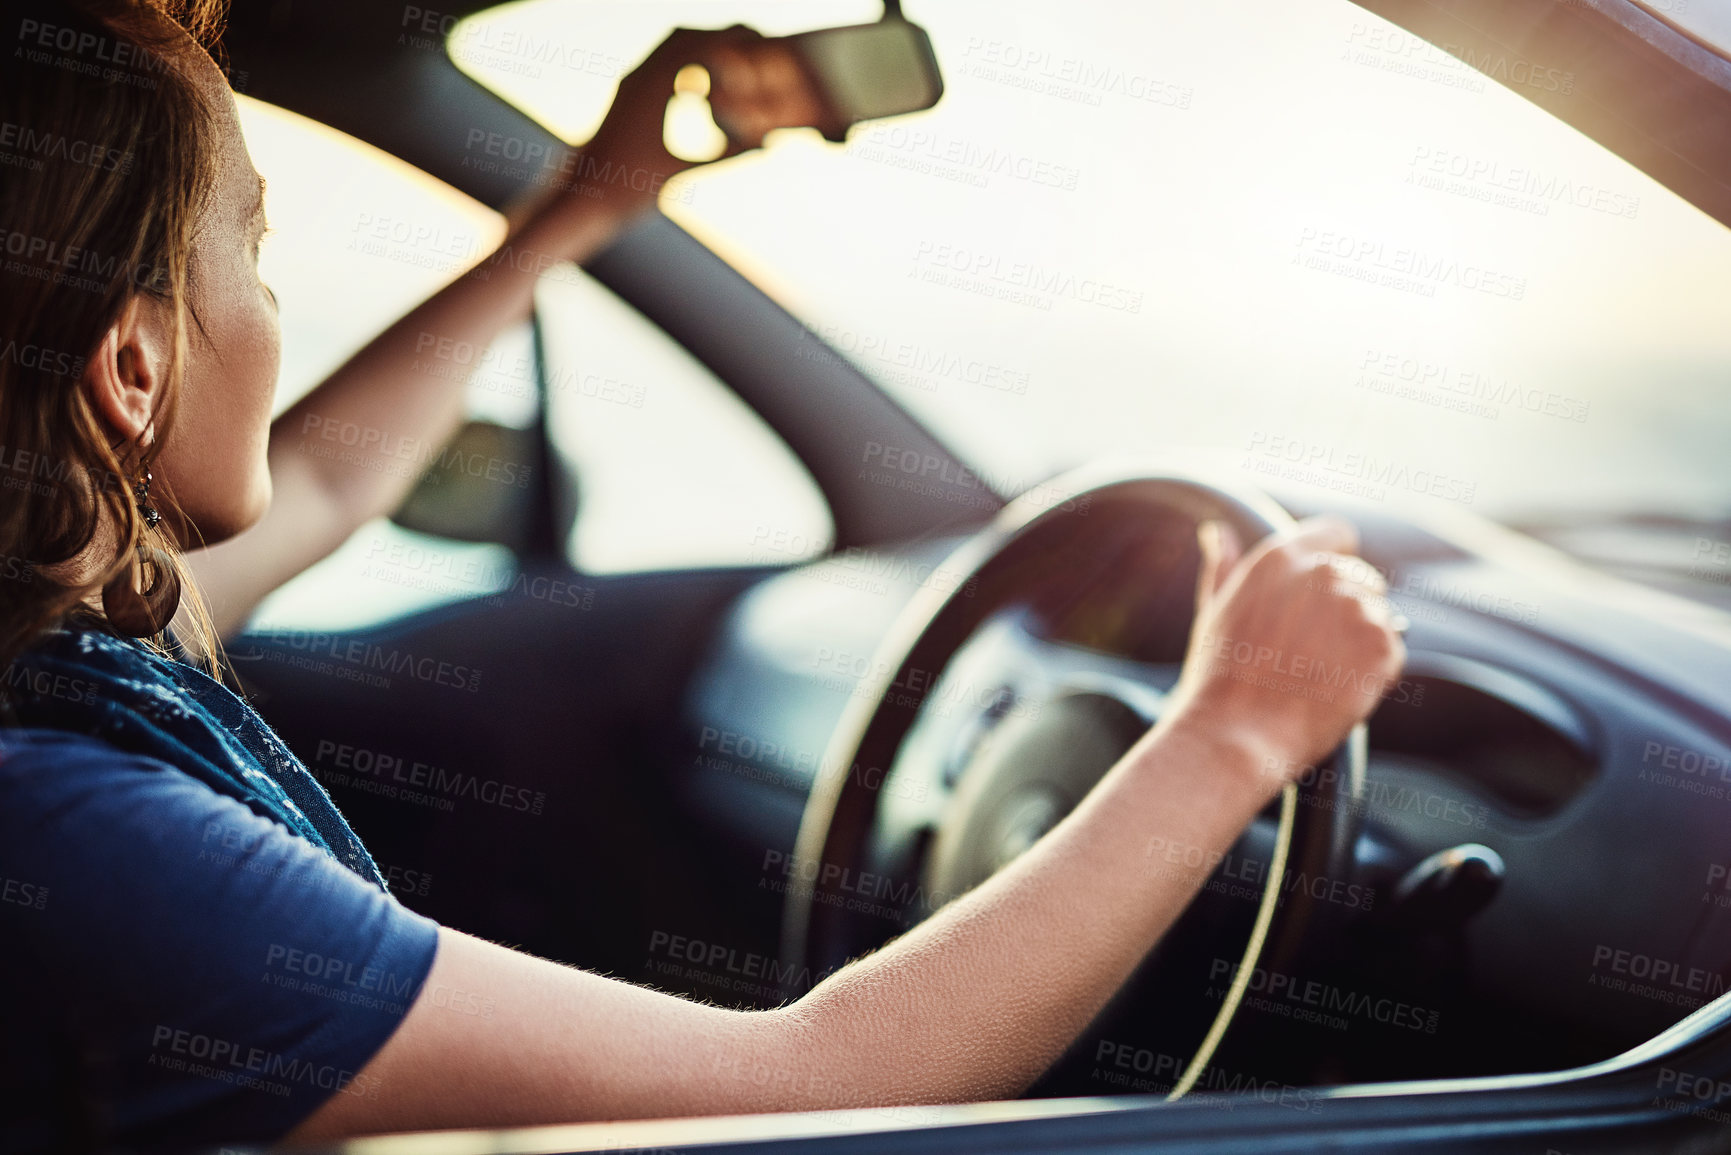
(194, 945)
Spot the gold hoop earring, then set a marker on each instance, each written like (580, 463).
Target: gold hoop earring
(142, 599)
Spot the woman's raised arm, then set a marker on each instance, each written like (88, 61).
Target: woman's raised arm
(379, 401)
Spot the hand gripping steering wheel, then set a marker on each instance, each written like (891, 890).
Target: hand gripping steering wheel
(1098, 556)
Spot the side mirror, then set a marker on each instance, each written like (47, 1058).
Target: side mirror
(483, 486)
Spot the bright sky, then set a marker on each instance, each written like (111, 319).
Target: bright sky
(1348, 257)
(1270, 136)
(1708, 22)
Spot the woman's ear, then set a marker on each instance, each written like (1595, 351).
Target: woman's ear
(125, 378)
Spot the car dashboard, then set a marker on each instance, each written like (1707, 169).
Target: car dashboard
(1571, 729)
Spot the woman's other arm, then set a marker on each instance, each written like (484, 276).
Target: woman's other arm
(973, 1003)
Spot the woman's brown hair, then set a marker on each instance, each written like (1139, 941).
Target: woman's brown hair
(108, 156)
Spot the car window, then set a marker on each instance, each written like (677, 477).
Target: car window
(1284, 240)
(358, 238)
(674, 471)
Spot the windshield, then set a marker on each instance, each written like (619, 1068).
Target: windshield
(1284, 238)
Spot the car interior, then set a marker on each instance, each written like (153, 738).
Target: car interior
(855, 532)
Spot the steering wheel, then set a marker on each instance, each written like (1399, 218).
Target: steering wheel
(1104, 558)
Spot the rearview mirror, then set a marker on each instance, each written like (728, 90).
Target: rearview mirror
(868, 71)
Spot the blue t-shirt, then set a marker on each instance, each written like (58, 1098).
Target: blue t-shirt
(175, 968)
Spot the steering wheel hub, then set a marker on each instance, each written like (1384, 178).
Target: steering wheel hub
(1025, 777)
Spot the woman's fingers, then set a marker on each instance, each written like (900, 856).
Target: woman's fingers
(761, 86)
(1294, 642)
(756, 83)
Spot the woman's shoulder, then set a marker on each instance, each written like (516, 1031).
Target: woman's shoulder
(47, 776)
(29, 752)
(65, 794)
(74, 808)
(143, 702)
(155, 919)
